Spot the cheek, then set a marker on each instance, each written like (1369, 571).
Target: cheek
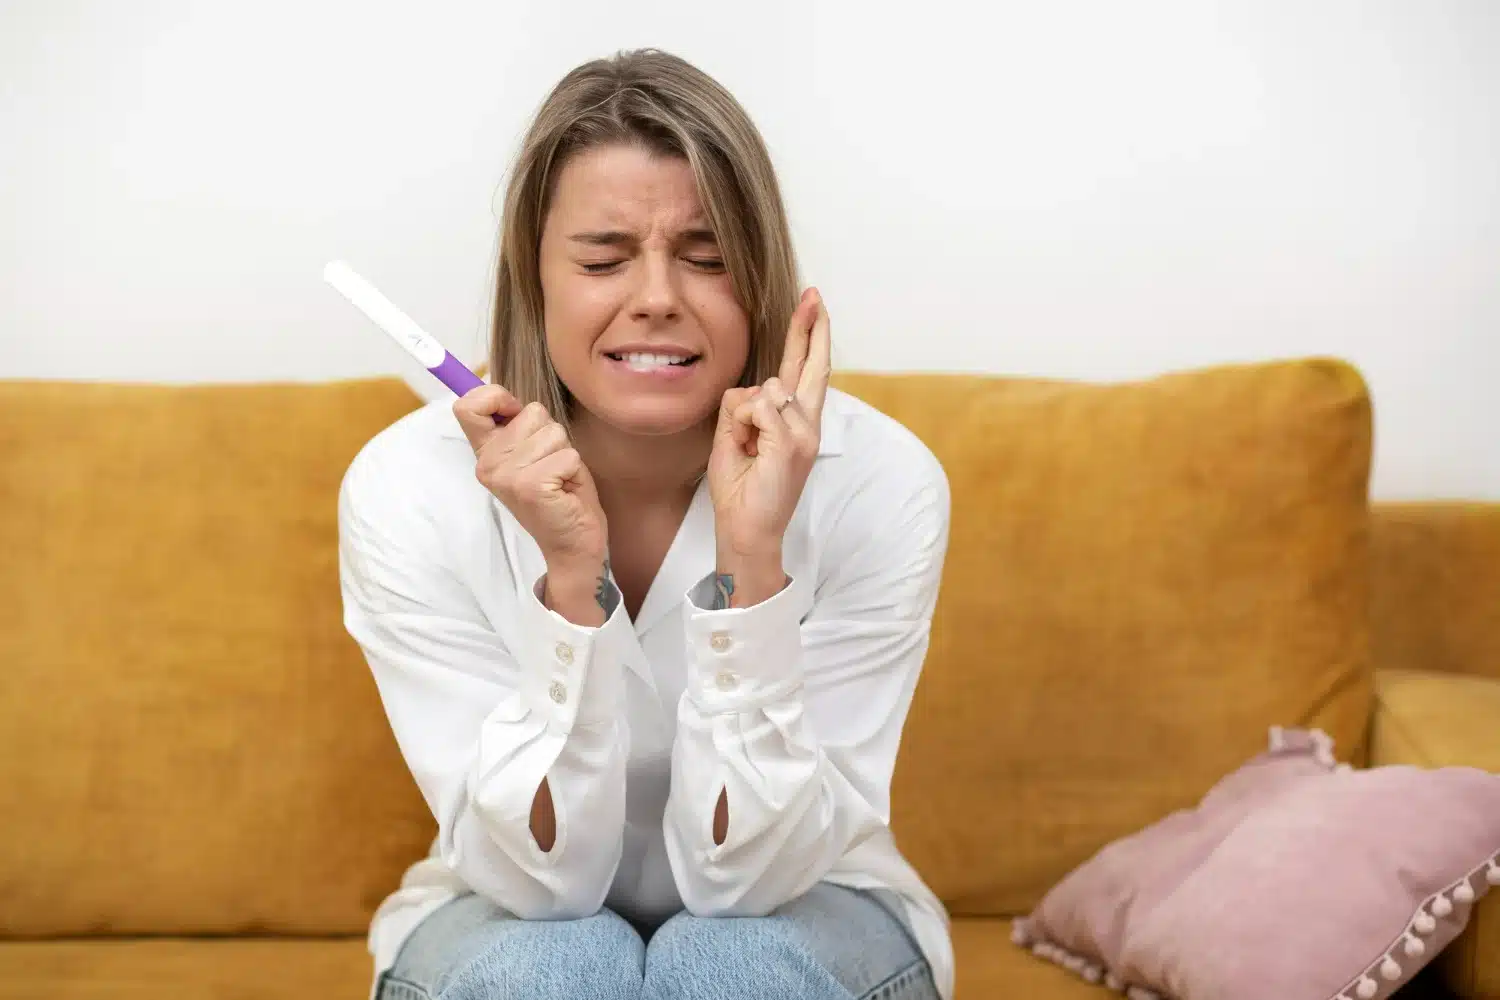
(573, 312)
(726, 323)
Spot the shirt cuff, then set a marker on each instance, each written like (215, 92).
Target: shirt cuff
(743, 658)
(571, 674)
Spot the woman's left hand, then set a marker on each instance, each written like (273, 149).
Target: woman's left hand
(764, 448)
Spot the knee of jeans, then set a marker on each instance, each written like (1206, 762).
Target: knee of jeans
(746, 958)
(600, 956)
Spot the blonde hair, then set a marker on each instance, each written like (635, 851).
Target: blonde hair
(663, 104)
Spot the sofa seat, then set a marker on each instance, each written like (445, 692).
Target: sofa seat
(185, 969)
(337, 968)
(990, 966)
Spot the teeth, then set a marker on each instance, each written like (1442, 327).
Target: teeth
(646, 362)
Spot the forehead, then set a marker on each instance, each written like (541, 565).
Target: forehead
(626, 187)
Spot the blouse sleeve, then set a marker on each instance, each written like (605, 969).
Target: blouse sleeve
(483, 711)
(797, 718)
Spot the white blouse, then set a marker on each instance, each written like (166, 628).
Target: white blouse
(794, 707)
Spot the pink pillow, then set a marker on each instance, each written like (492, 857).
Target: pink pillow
(1295, 878)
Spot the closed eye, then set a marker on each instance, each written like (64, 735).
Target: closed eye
(710, 264)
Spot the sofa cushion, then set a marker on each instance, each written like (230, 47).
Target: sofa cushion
(1141, 578)
(189, 741)
(1294, 878)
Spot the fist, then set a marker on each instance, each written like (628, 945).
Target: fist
(531, 467)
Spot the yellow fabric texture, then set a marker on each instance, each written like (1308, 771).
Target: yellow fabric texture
(989, 967)
(226, 969)
(1436, 586)
(1426, 719)
(1141, 578)
(189, 741)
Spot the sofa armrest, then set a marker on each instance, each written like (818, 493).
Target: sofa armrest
(1445, 720)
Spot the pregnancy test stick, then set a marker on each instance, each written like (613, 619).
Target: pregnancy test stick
(402, 329)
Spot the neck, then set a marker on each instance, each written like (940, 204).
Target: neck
(642, 468)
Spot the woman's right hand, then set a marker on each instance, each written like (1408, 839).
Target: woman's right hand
(530, 466)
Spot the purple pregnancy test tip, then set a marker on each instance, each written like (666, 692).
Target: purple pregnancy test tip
(457, 377)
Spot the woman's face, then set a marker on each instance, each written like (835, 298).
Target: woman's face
(642, 321)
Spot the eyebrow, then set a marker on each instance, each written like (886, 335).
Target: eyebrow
(615, 237)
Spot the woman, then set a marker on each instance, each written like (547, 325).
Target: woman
(648, 644)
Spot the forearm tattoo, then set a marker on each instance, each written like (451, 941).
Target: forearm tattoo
(723, 588)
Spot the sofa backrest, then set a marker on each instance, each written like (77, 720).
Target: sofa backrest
(1436, 586)
(189, 741)
(1141, 579)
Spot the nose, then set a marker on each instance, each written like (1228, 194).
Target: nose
(656, 297)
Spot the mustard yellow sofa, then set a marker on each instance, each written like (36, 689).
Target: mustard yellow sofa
(201, 798)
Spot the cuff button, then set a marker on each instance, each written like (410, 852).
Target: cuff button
(726, 680)
(719, 641)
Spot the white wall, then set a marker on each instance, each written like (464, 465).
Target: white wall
(1090, 189)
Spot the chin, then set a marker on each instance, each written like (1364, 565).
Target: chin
(655, 417)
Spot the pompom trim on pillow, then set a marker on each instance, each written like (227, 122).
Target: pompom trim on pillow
(1451, 904)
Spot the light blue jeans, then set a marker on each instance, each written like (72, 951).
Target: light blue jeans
(831, 944)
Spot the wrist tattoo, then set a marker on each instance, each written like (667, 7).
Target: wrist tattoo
(723, 588)
(604, 591)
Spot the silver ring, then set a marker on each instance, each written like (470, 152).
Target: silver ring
(788, 401)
